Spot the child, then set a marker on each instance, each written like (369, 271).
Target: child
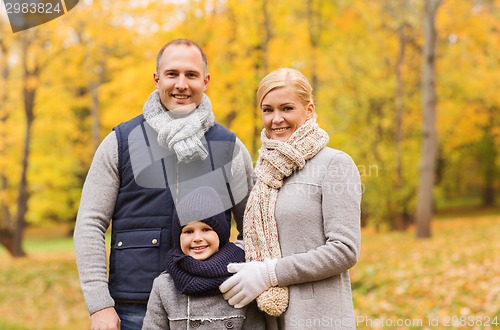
(187, 295)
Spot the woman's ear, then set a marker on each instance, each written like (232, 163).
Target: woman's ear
(310, 111)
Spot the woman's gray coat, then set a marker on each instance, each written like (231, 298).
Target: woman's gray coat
(318, 219)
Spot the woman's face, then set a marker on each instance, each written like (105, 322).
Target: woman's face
(283, 112)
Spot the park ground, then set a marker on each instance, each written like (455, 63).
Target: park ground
(450, 281)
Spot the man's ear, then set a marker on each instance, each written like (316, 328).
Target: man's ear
(206, 81)
(156, 78)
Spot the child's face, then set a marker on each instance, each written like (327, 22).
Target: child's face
(199, 240)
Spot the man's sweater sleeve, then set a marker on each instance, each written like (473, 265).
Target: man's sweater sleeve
(94, 215)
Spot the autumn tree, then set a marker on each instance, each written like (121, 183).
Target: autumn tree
(363, 59)
(6, 221)
(428, 155)
(467, 121)
(31, 67)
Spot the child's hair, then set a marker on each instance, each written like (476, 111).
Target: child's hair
(202, 204)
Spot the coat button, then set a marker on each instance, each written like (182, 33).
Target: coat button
(120, 243)
(195, 323)
(154, 241)
(229, 325)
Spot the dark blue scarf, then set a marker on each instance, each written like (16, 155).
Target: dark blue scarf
(202, 277)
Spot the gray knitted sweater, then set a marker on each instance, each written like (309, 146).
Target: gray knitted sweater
(97, 204)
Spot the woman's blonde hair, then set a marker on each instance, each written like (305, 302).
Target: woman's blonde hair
(286, 77)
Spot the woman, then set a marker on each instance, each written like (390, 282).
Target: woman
(302, 220)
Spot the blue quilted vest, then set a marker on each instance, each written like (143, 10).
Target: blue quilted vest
(151, 183)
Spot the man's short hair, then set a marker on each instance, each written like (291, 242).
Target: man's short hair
(185, 42)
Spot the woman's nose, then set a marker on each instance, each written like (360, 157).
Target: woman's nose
(277, 117)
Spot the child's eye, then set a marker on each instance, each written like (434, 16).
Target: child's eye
(207, 229)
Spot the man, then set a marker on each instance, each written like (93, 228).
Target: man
(138, 174)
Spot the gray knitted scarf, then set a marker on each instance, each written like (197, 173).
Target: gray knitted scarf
(182, 134)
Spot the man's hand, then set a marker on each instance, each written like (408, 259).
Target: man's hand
(105, 319)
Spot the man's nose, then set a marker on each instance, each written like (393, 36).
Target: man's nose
(181, 82)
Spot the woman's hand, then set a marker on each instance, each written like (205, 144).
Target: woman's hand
(250, 280)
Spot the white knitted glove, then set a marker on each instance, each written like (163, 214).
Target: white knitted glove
(250, 280)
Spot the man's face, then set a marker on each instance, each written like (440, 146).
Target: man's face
(180, 79)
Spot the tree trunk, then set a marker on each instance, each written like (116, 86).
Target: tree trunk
(22, 201)
(5, 218)
(427, 166)
(400, 222)
(6, 224)
(30, 81)
(315, 27)
(488, 152)
(99, 71)
(94, 95)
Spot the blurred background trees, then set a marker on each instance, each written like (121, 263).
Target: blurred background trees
(65, 84)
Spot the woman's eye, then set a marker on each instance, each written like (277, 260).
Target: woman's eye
(267, 110)
(288, 108)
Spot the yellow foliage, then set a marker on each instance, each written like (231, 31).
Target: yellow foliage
(351, 50)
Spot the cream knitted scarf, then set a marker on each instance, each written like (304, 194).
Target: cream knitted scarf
(183, 134)
(276, 161)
